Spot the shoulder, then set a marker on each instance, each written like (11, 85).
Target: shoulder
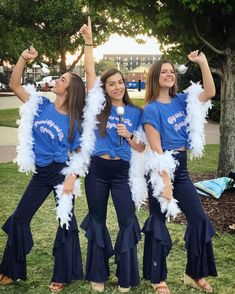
(150, 107)
(181, 96)
(134, 109)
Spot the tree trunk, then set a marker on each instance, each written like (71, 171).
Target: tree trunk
(63, 68)
(227, 119)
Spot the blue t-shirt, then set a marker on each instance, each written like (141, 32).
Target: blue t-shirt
(110, 143)
(169, 120)
(51, 131)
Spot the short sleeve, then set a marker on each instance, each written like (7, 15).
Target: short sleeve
(182, 99)
(151, 116)
(44, 102)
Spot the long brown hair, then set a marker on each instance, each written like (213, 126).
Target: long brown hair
(104, 115)
(152, 82)
(75, 102)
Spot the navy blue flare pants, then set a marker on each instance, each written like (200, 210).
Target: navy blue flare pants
(66, 250)
(200, 257)
(107, 176)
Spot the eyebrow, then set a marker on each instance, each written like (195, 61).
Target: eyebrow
(121, 80)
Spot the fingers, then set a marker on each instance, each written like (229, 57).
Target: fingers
(89, 21)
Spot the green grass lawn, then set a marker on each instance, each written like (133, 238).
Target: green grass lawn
(8, 117)
(44, 224)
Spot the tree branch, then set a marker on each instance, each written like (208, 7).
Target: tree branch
(77, 59)
(216, 71)
(220, 52)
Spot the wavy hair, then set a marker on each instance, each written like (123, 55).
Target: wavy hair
(75, 102)
(152, 82)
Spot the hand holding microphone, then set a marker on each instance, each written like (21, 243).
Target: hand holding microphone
(120, 112)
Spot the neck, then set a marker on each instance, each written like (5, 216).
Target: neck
(118, 103)
(59, 104)
(164, 96)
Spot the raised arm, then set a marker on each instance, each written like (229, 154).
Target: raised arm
(86, 32)
(15, 82)
(207, 79)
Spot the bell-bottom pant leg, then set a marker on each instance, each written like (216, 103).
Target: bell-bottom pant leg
(99, 248)
(200, 256)
(129, 230)
(17, 226)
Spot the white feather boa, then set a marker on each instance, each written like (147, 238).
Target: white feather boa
(25, 156)
(80, 161)
(149, 162)
(196, 119)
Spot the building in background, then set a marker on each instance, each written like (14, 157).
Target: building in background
(131, 61)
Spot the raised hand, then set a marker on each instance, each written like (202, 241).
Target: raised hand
(86, 31)
(197, 58)
(30, 53)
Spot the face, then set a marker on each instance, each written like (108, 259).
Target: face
(115, 88)
(62, 84)
(167, 76)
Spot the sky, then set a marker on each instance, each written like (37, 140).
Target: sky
(124, 45)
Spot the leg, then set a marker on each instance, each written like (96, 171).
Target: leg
(18, 229)
(200, 256)
(129, 234)
(157, 243)
(99, 243)
(199, 231)
(66, 250)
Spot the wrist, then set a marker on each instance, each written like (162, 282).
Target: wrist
(130, 137)
(88, 44)
(25, 59)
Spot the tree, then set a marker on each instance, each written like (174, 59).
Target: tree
(102, 65)
(183, 25)
(53, 27)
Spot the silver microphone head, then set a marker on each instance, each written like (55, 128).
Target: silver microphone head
(120, 110)
(182, 69)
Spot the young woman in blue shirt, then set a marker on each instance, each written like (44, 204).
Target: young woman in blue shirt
(55, 133)
(164, 120)
(109, 172)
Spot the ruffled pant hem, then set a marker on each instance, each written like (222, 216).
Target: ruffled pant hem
(156, 249)
(201, 261)
(19, 244)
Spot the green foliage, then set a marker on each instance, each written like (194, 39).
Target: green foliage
(102, 65)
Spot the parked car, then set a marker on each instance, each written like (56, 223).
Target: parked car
(49, 80)
(2, 86)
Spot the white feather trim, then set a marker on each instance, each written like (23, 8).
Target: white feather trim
(65, 203)
(195, 119)
(25, 156)
(80, 161)
(137, 179)
(156, 164)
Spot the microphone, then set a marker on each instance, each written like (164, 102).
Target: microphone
(184, 67)
(120, 112)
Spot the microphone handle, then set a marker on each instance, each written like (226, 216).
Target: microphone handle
(37, 60)
(199, 51)
(121, 138)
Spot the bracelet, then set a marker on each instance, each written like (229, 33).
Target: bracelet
(26, 60)
(131, 137)
(88, 44)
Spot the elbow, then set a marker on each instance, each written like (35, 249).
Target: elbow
(12, 85)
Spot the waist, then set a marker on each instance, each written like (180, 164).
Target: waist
(107, 156)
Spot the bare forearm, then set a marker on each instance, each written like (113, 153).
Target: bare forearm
(17, 73)
(208, 82)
